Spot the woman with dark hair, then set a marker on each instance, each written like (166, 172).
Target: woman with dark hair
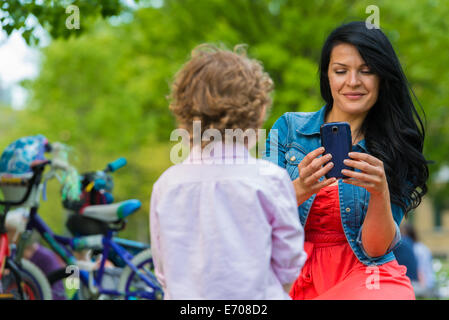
(352, 224)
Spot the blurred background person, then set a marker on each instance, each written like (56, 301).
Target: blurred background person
(426, 275)
(405, 256)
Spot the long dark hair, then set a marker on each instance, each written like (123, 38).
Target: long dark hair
(394, 132)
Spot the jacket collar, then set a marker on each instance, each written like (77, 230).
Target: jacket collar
(362, 145)
(312, 125)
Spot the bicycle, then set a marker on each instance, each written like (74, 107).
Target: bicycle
(103, 221)
(19, 278)
(22, 281)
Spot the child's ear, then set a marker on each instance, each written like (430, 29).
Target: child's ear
(263, 114)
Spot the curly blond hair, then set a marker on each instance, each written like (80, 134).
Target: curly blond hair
(223, 89)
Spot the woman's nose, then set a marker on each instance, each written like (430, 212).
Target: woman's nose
(353, 79)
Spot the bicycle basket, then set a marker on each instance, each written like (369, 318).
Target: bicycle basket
(76, 223)
(88, 194)
(15, 165)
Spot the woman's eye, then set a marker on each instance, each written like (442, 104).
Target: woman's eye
(340, 72)
(367, 71)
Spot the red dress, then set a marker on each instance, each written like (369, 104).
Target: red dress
(332, 271)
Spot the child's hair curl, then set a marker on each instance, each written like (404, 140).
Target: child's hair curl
(221, 88)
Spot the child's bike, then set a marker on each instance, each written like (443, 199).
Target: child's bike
(94, 219)
(19, 278)
(23, 280)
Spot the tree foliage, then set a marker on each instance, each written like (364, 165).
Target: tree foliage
(104, 92)
(52, 15)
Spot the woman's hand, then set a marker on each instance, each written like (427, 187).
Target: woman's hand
(372, 176)
(310, 171)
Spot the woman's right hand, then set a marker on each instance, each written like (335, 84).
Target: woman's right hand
(310, 170)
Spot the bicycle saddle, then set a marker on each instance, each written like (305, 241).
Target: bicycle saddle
(111, 212)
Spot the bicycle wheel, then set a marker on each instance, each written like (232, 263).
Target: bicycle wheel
(35, 284)
(134, 286)
(109, 281)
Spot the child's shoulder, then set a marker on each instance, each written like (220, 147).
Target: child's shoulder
(261, 171)
(169, 174)
(271, 171)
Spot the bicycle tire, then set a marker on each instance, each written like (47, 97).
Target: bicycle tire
(35, 283)
(142, 259)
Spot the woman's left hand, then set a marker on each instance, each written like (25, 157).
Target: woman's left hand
(372, 176)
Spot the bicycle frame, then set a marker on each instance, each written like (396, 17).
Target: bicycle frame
(60, 243)
(4, 242)
(130, 246)
(4, 252)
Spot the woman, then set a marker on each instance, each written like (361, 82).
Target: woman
(352, 224)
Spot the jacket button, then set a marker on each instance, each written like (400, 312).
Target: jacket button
(293, 158)
(348, 210)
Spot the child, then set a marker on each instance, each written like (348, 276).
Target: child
(222, 225)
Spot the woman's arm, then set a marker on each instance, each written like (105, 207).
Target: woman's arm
(379, 228)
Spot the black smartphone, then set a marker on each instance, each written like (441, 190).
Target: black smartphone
(336, 140)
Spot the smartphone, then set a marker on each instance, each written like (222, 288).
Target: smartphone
(336, 140)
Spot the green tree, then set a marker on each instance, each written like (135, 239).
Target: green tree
(52, 15)
(104, 92)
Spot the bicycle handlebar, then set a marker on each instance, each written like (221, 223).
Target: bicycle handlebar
(115, 165)
(59, 163)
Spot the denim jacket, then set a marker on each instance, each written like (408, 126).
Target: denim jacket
(292, 137)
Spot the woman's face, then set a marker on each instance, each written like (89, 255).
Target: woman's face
(354, 87)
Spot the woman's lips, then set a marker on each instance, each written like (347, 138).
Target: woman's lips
(354, 96)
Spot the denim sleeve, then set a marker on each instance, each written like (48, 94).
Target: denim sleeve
(276, 142)
(398, 214)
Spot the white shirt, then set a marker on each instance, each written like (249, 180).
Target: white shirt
(224, 230)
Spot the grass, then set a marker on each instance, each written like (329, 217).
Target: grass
(441, 267)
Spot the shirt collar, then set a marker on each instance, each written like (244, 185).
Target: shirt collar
(218, 151)
(312, 125)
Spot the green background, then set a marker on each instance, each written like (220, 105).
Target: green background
(102, 89)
